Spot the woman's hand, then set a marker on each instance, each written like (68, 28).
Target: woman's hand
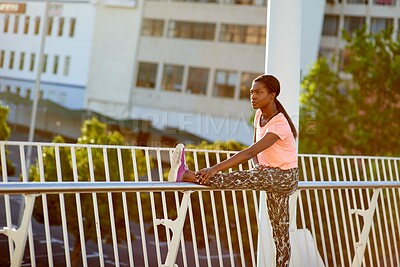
(203, 175)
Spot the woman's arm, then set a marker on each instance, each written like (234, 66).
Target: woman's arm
(255, 159)
(268, 140)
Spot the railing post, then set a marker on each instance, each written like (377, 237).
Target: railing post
(18, 236)
(176, 227)
(368, 216)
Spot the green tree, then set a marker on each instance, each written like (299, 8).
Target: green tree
(359, 115)
(4, 135)
(320, 116)
(358, 111)
(93, 132)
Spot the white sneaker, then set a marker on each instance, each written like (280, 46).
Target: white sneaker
(178, 164)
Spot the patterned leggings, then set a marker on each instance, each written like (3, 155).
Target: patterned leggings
(279, 185)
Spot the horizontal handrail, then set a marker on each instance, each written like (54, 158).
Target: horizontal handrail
(65, 145)
(104, 187)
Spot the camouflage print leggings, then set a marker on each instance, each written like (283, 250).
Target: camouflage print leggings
(279, 185)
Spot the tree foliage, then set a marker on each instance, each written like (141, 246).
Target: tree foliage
(356, 111)
(358, 115)
(92, 132)
(4, 135)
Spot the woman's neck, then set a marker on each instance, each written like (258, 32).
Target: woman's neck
(269, 112)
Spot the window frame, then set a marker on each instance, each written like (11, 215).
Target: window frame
(226, 89)
(149, 74)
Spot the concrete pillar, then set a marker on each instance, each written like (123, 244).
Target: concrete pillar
(283, 51)
(283, 61)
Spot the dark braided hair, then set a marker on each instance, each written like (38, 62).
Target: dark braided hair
(273, 86)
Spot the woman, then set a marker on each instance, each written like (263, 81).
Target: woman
(275, 158)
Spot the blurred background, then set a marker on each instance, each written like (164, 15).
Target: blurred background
(155, 73)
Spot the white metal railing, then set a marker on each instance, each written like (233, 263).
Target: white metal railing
(18, 236)
(222, 226)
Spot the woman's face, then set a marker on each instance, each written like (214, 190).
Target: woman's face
(259, 95)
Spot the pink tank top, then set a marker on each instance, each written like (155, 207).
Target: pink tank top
(283, 153)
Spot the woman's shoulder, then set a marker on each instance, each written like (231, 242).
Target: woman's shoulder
(279, 124)
(278, 118)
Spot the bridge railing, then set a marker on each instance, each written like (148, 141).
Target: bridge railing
(352, 219)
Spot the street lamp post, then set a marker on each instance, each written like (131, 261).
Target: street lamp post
(36, 95)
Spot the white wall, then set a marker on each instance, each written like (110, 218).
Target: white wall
(112, 60)
(312, 19)
(192, 53)
(67, 90)
(204, 124)
(204, 115)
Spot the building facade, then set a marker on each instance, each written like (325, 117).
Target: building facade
(193, 64)
(66, 54)
(351, 15)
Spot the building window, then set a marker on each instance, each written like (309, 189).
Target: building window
(225, 83)
(147, 75)
(379, 24)
(255, 35)
(32, 63)
(191, 30)
(197, 1)
(11, 62)
(357, 1)
(398, 28)
(232, 33)
(26, 25)
(67, 63)
(6, 23)
(37, 25)
(72, 24)
(16, 24)
(60, 26)
(172, 78)
(49, 25)
(344, 58)
(331, 25)
(352, 24)
(44, 63)
(2, 53)
(242, 2)
(243, 34)
(246, 81)
(385, 2)
(153, 27)
(197, 81)
(21, 60)
(55, 64)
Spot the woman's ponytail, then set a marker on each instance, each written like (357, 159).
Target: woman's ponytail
(280, 108)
